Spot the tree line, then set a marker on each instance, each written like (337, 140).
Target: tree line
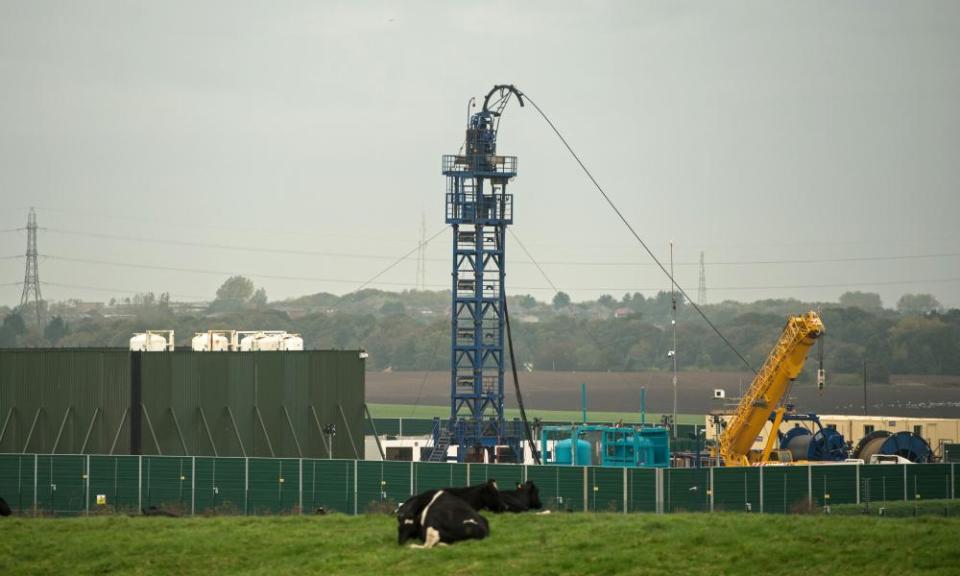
(411, 330)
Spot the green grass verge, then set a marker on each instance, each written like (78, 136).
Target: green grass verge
(416, 411)
(519, 544)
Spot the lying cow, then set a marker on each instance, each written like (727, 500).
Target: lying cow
(525, 497)
(4, 508)
(444, 519)
(485, 496)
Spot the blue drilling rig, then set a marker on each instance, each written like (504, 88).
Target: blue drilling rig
(478, 208)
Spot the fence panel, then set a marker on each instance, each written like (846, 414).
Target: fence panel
(61, 484)
(570, 488)
(928, 481)
(834, 484)
(328, 484)
(545, 477)
(166, 482)
(432, 476)
(785, 489)
(16, 481)
(605, 490)
(115, 479)
(382, 486)
(273, 485)
(686, 489)
(642, 490)
(220, 485)
(506, 475)
(735, 488)
(881, 483)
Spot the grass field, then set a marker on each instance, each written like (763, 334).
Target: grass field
(411, 411)
(528, 544)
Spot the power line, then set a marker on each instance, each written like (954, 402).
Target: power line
(585, 263)
(216, 246)
(638, 238)
(552, 287)
(113, 290)
(534, 262)
(419, 246)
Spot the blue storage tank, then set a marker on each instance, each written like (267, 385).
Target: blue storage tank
(563, 452)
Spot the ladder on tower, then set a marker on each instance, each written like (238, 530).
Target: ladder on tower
(439, 453)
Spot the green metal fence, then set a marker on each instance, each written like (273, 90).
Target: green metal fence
(64, 484)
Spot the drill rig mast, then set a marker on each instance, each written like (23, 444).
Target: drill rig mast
(479, 209)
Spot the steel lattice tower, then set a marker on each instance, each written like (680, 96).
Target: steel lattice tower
(31, 277)
(702, 288)
(479, 209)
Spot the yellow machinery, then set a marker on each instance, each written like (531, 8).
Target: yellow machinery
(767, 392)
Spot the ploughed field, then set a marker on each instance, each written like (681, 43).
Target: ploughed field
(929, 396)
(560, 543)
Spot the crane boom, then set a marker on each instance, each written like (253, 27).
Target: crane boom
(769, 388)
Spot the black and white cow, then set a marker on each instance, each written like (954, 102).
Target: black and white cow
(444, 519)
(525, 497)
(4, 508)
(485, 496)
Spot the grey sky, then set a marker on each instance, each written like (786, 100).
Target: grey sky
(749, 130)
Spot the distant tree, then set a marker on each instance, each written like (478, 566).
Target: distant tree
(55, 330)
(13, 327)
(233, 294)
(561, 300)
(259, 298)
(393, 308)
(869, 301)
(917, 304)
(607, 301)
(164, 299)
(525, 301)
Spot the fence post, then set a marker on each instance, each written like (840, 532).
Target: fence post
(193, 485)
(953, 481)
(524, 473)
(624, 490)
(657, 491)
(86, 487)
(761, 489)
(858, 483)
(354, 487)
(35, 473)
(139, 482)
(246, 486)
(413, 488)
(300, 498)
(711, 488)
(586, 495)
(468, 473)
(809, 486)
(905, 483)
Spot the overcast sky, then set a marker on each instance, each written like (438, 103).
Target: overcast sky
(752, 131)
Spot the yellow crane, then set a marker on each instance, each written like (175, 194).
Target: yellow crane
(767, 393)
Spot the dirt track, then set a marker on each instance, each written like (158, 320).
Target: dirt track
(931, 396)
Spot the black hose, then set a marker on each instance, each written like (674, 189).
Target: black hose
(516, 387)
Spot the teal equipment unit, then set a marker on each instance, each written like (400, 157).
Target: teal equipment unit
(613, 446)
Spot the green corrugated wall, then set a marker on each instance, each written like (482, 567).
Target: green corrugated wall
(256, 404)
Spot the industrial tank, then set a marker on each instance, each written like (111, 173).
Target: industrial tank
(271, 341)
(151, 341)
(563, 452)
(905, 444)
(207, 342)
